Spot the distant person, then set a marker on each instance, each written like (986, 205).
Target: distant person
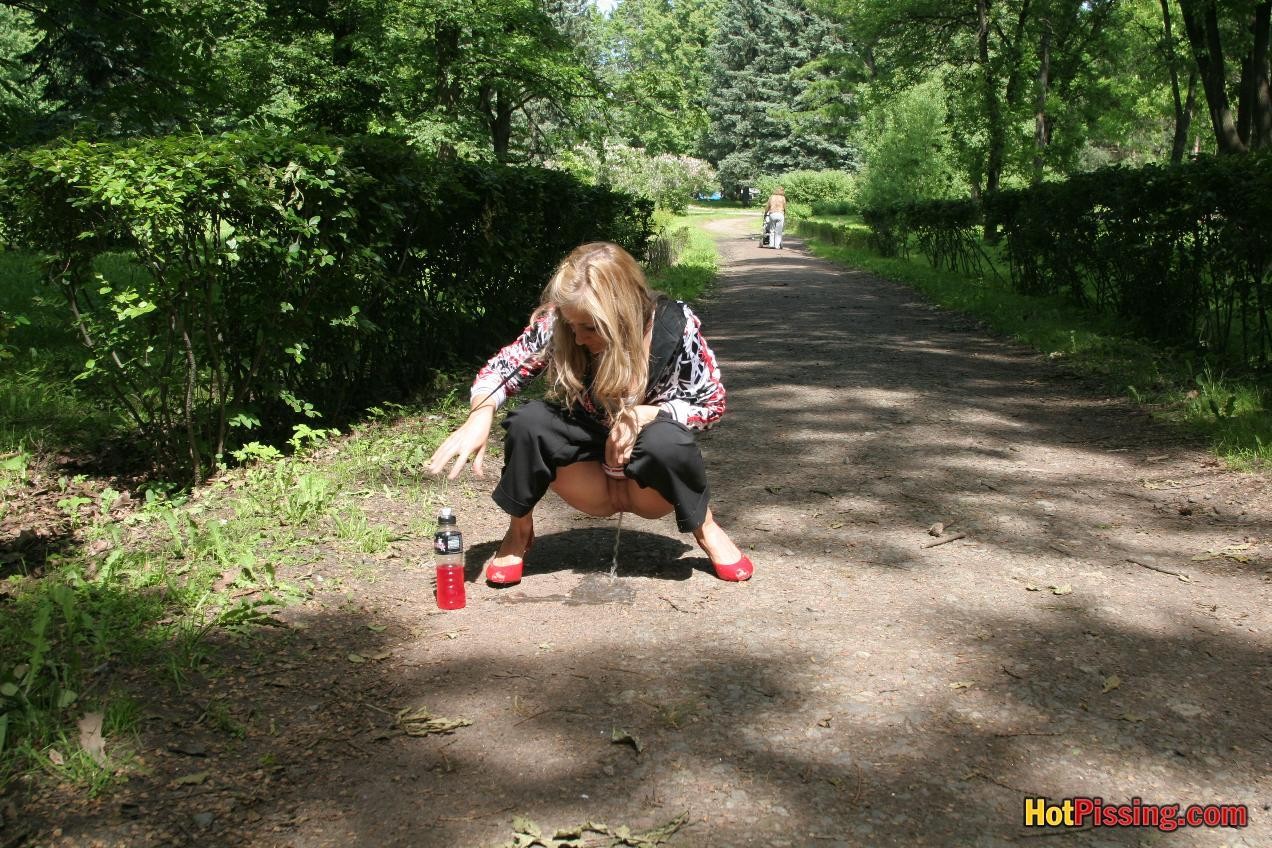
(631, 379)
(775, 209)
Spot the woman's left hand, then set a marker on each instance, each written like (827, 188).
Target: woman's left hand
(622, 436)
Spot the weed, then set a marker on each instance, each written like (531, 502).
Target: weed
(353, 528)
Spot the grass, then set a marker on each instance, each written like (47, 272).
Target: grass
(1229, 411)
(694, 270)
(147, 588)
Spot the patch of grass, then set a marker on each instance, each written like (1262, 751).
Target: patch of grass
(1230, 411)
(353, 528)
(694, 270)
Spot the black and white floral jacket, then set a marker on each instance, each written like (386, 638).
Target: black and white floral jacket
(684, 380)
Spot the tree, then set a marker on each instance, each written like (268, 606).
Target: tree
(656, 63)
(115, 66)
(908, 151)
(477, 72)
(1245, 24)
(762, 120)
(1015, 63)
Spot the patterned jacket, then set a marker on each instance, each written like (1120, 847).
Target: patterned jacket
(684, 380)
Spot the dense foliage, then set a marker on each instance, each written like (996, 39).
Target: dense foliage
(283, 279)
(1182, 252)
(764, 115)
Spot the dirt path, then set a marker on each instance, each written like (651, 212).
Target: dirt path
(869, 687)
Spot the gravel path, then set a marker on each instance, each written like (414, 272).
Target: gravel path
(1092, 621)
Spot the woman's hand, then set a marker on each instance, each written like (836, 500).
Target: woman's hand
(622, 436)
(469, 440)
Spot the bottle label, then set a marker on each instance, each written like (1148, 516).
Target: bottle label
(448, 542)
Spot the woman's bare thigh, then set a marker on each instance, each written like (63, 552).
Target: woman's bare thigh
(584, 486)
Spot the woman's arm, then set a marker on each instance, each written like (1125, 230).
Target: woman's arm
(699, 396)
(512, 368)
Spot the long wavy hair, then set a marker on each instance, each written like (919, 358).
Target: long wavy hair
(606, 283)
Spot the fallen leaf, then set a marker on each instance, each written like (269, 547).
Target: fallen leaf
(961, 684)
(835, 525)
(936, 529)
(526, 826)
(1131, 717)
(1029, 587)
(356, 658)
(56, 758)
(376, 628)
(773, 490)
(622, 736)
(825, 722)
(198, 778)
(421, 722)
(1111, 682)
(380, 655)
(1064, 589)
(90, 739)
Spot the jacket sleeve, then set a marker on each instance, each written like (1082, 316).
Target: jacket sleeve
(699, 397)
(515, 366)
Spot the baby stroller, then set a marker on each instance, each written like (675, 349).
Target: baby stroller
(766, 240)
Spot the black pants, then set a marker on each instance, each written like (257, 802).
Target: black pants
(543, 437)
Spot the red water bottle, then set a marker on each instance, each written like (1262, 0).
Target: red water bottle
(448, 556)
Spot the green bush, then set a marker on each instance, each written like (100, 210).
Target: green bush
(908, 152)
(669, 181)
(810, 187)
(281, 279)
(1181, 252)
(834, 207)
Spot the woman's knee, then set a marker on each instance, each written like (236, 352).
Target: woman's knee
(666, 442)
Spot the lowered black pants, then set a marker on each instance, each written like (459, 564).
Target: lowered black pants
(542, 437)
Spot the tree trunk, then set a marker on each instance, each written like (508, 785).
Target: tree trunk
(1040, 114)
(993, 113)
(1259, 104)
(1201, 22)
(446, 95)
(496, 108)
(1183, 108)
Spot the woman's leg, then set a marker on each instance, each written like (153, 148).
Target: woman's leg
(715, 543)
(541, 438)
(586, 487)
(667, 460)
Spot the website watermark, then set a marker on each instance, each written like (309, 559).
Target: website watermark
(1094, 812)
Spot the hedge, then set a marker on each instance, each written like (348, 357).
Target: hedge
(282, 279)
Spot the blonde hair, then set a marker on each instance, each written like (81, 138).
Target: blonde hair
(605, 282)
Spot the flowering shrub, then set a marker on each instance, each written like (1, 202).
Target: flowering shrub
(670, 181)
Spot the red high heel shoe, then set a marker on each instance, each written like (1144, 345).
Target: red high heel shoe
(507, 575)
(735, 571)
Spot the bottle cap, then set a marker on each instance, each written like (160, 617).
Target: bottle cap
(446, 516)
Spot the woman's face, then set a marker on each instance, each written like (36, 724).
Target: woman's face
(584, 329)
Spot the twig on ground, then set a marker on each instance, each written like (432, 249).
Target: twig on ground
(1064, 832)
(624, 670)
(673, 604)
(953, 538)
(534, 715)
(1180, 574)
